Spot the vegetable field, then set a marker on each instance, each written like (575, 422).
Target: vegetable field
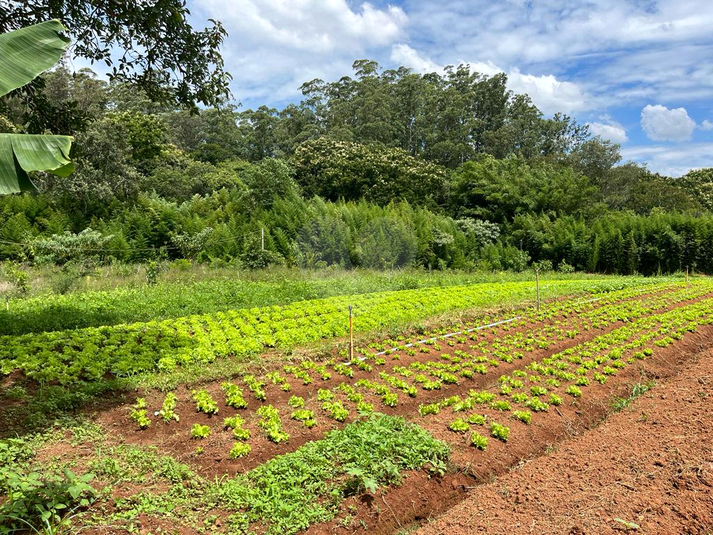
(334, 440)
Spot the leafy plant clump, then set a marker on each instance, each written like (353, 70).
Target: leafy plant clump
(256, 387)
(168, 408)
(234, 396)
(239, 449)
(204, 403)
(272, 425)
(336, 410)
(296, 402)
(523, 416)
(459, 425)
(236, 424)
(574, 391)
(291, 492)
(476, 419)
(478, 440)
(138, 414)
(200, 431)
(41, 502)
(305, 416)
(431, 408)
(500, 431)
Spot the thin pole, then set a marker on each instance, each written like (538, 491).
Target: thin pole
(537, 284)
(262, 238)
(351, 335)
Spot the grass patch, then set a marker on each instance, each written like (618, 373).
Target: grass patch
(637, 390)
(113, 298)
(293, 491)
(53, 405)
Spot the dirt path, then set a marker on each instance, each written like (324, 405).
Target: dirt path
(650, 466)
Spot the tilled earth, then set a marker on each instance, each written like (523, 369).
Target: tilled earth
(648, 468)
(577, 468)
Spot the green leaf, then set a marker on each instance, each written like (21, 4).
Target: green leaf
(27, 52)
(21, 154)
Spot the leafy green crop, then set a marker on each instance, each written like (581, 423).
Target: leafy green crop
(272, 425)
(478, 440)
(500, 431)
(291, 492)
(200, 431)
(204, 403)
(88, 354)
(167, 412)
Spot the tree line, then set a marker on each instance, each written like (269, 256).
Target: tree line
(380, 169)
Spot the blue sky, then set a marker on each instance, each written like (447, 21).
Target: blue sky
(638, 72)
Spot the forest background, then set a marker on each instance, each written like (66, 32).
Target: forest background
(380, 169)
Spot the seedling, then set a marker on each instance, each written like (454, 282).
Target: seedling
(431, 408)
(499, 431)
(296, 402)
(233, 396)
(204, 403)
(168, 407)
(240, 449)
(478, 440)
(459, 426)
(523, 416)
(476, 419)
(200, 431)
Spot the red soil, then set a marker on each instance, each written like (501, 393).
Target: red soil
(649, 465)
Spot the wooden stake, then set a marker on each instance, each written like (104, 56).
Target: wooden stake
(262, 238)
(537, 284)
(351, 335)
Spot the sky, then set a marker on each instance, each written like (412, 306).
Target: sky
(638, 72)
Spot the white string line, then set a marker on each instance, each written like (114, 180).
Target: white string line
(464, 331)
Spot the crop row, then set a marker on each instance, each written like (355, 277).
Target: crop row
(567, 374)
(377, 383)
(567, 319)
(124, 350)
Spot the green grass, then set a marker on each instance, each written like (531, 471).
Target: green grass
(285, 495)
(637, 390)
(291, 492)
(201, 291)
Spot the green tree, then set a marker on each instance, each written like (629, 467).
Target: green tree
(499, 190)
(351, 171)
(105, 171)
(699, 183)
(158, 48)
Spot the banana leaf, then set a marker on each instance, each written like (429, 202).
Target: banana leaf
(24, 54)
(22, 153)
(27, 52)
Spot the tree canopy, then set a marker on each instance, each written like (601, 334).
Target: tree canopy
(150, 44)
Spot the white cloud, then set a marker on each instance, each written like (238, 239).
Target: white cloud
(672, 160)
(611, 130)
(706, 125)
(311, 25)
(403, 54)
(274, 46)
(548, 93)
(488, 68)
(662, 124)
(614, 50)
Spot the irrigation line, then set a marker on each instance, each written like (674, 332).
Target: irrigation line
(501, 322)
(464, 331)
